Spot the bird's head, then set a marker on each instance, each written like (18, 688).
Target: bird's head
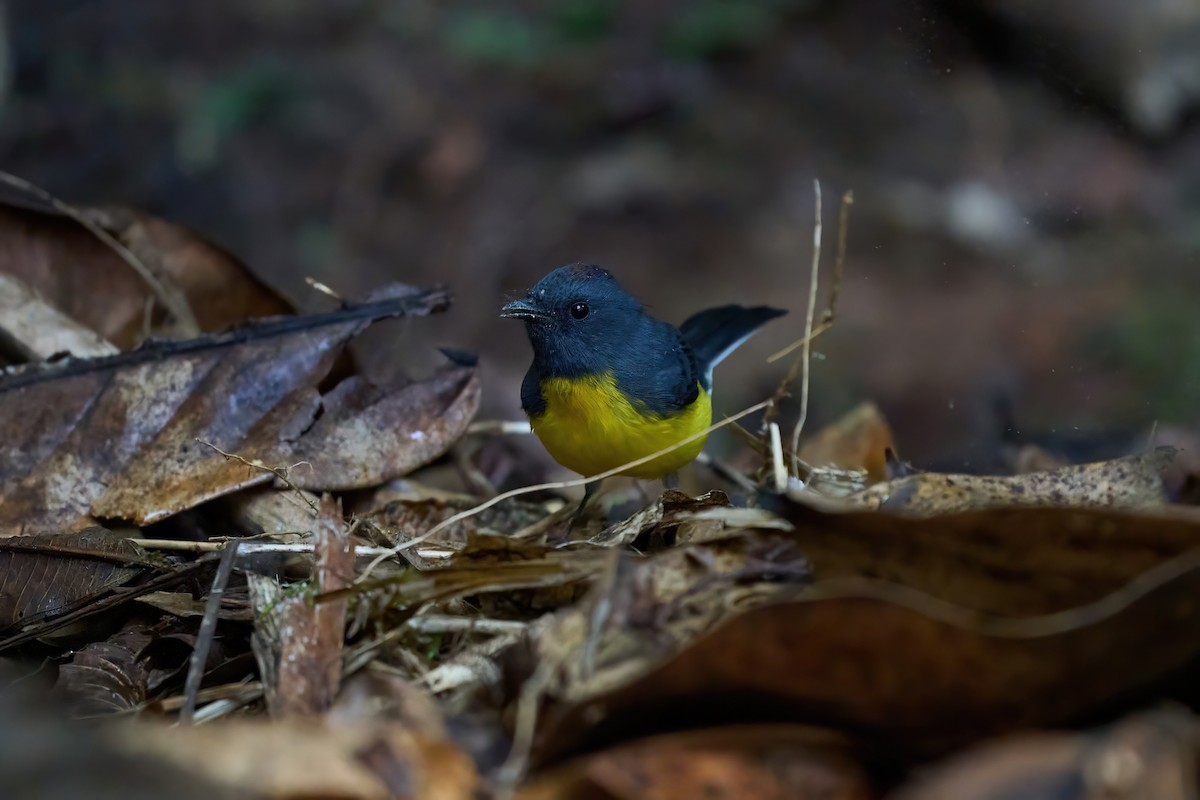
(577, 318)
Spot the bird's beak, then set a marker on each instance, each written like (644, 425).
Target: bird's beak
(521, 309)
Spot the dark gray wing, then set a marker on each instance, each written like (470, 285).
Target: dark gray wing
(658, 369)
(717, 332)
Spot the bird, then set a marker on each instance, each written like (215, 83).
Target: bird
(610, 384)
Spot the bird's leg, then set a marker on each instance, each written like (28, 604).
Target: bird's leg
(588, 491)
(671, 480)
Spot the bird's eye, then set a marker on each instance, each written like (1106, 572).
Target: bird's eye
(580, 310)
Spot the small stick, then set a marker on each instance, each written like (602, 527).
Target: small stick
(208, 627)
(781, 475)
(278, 472)
(806, 358)
(502, 427)
(830, 312)
(247, 548)
(446, 623)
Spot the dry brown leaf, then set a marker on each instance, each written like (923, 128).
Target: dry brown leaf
(1011, 561)
(297, 758)
(767, 762)
(1134, 483)
(1150, 755)
(368, 435)
(912, 674)
(32, 330)
(663, 515)
(119, 437)
(268, 510)
(106, 677)
(859, 440)
(47, 575)
(641, 611)
(82, 277)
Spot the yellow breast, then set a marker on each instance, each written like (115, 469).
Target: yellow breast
(590, 427)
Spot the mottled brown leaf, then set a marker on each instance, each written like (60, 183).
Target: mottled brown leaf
(118, 437)
(85, 279)
(369, 435)
(47, 575)
(1134, 482)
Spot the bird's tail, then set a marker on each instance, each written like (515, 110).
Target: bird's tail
(717, 332)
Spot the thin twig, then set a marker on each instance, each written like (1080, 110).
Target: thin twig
(252, 548)
(502, 427)
(796, 345)
(830, 313)
(839, 261)
(806, 357)
(543, 487)
(778, 468)
(446, 623)
(171, 297)
(325, 290)
(278, 472)
(208, 627)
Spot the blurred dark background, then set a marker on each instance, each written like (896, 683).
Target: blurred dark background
(1023, 249)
